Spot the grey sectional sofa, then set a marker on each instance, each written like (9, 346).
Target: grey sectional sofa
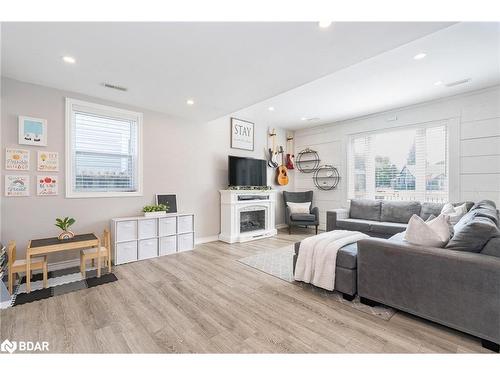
(381, 219)
(458, 286)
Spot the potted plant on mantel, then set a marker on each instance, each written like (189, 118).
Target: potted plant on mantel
(64, 225)
(155, 210)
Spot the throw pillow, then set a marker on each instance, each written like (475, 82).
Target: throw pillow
(299, 208)
(434, 233)
(454, 213)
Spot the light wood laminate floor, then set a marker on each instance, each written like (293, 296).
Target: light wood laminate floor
(204, 301)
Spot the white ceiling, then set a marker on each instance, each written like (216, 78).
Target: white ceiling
(228, 66)
(392, 79)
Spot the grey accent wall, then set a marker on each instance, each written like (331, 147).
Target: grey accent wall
(181, 157)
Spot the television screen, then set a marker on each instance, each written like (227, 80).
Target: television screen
(247, 172)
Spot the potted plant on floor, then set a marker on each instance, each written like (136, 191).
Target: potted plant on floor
(155, 210)
(64, 225)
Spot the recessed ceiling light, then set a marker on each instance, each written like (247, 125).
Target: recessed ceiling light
(419, 56)
(190, 102)
(438, 83)
(271, 109)
(324, 24)
(69, 59)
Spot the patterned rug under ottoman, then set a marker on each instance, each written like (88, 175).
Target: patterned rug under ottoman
(279, 263)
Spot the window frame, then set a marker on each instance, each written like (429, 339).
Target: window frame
(108, 111)
(426, 125)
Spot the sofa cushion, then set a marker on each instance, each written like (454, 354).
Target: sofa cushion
(492, 247)
(354, 224)
(347, 256)
(386, 227)
(472, 233)
(399, 212)
(486, 208)
(430, 208)
(367, 209)
(303, 217)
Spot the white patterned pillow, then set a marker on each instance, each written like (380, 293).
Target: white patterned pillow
(299, 208)
(434, 233)
(454, 213)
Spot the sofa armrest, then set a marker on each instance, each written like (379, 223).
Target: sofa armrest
(333, 215)
(455, 288)
(315, 212)
(287, 215)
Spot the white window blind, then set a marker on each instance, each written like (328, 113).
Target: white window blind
(104, 151)
(401, 164)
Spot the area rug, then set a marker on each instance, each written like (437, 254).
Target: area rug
(279, 263)
(60, 282)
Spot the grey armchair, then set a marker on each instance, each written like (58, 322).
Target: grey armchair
(312, 218)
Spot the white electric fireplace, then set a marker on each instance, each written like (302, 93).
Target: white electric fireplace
(247, 215)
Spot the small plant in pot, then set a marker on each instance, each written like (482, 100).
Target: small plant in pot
(64, 225)
(155, 210)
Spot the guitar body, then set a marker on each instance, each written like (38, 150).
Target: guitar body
(272, 159)
(282, 176)
(289, 161)
(282, 172)
(273, 155)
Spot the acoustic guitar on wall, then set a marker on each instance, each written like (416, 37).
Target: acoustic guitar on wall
(282, 172)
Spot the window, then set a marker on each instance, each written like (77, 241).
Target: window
(103, 151)
(409, 163)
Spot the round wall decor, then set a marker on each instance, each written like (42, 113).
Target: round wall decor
(326, 177)
(307, 161)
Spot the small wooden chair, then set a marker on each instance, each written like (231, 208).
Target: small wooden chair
(19, 265)
(91, 254)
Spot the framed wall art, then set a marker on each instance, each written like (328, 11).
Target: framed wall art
(47, 185)
(17, 185)
(32, 131)
(17, 159)
(242, 134)
(47, 161)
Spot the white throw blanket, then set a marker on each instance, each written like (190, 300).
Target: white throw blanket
(318, 257)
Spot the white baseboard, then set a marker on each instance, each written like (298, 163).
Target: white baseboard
(202, 240)
(281, 226)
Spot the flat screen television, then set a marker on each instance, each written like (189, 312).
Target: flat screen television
(247, 171)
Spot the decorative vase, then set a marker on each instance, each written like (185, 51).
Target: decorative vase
(155, 213)
(66, 235)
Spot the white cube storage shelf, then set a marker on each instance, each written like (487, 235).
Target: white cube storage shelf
(138, 238)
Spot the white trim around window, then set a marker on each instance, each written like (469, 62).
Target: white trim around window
(74, 106)
(402, 180)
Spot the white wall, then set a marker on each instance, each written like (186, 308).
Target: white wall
(474, 124)
(181, 157)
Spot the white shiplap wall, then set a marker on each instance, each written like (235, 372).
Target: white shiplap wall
(474, 145)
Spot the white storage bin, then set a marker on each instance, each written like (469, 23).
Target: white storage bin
(168, 226)
(147, 228)
(126, 252)
(185, 224)
(148, 248)
(126, 230)
(168, 245)
(185, 242)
